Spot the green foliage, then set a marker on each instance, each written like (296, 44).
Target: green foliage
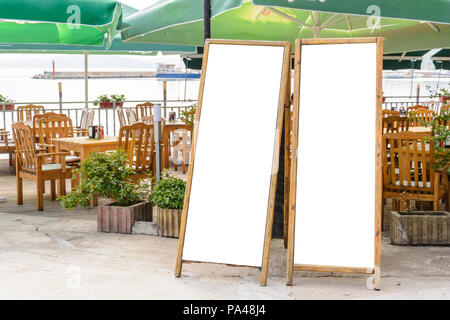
(106, 175)
(169, 193)
(4, 99)
(118, 97)
(109, 98)
(188, 115)
(437, 94)
(441, 133)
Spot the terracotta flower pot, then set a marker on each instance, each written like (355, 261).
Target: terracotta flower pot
(121, 219)
(119, 104)
(168, 221)
(9, 106)
(106, 105)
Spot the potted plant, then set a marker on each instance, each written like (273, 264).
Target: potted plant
(105, 101)
(188, 116)
(108, 175)
(416, 225)
(118, 99)
(8, 103)
(168, 197)
(443, 94)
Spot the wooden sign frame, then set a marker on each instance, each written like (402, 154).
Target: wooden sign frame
(373, 281)
(283, 103)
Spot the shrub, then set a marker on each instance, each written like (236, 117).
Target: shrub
(169, 193)
(106, 175)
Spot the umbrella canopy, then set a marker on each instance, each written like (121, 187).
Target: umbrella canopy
(413, 60)
(82, 22)
(405, 24)
(117, 46)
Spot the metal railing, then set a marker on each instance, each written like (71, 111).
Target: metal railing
(109, 119)
(106, 117)
(398, 102)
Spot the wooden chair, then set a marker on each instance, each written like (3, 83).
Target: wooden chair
(7, 146)
(131, 116)
(416, 107)
(388, 113)
(87, 119)
(411, 176)
(123, 117)
(26, 113)
(144, 109)
(420, 115)
(54, 127)
(137, 141)
(30, 165)
(182, 149)
(395, 124)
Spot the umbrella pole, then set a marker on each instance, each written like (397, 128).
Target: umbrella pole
(86, 79)
(207, 19)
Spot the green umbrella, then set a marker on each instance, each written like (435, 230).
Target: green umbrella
(117, 47)
(405, 24)
(82, 22)
(413, 60)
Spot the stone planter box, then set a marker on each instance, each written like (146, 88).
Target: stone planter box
(429, 227)
(168, 221)
(121, 219)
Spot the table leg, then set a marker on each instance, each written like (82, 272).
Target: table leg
(166, 143)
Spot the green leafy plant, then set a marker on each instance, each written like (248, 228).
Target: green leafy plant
(441, 134)
(438, 94)
(169, 193)
(118, 97)
(188, 115)
(109, 98)
(4, 99)
(106, 175)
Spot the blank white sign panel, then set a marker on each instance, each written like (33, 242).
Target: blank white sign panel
(233, 161)
(335, 204)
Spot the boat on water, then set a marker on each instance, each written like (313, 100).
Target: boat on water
(169, 71)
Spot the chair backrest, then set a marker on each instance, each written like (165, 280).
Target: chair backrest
(416, 107)
(388, 113)
(123, 118)
(53, 127)
(137, 141)
(89, 119)
(26, 113)
(37, 117)
(144, 109)
(395, 124)
(131, 116)
(421, 115)
(407, 162)
(25, 146)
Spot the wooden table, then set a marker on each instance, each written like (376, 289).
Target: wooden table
(84, 146)
(165, 139)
